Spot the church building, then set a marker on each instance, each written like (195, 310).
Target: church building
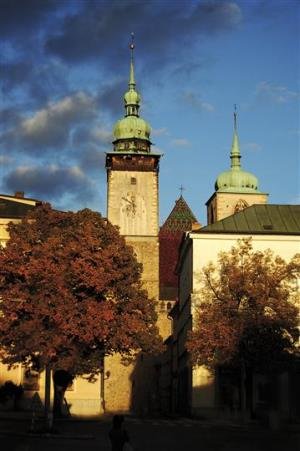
(172, 257)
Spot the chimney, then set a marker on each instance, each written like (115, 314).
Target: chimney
(19, 194)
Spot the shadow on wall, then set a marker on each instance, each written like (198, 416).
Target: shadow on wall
(145, 398)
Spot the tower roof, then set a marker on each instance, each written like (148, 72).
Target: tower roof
(236, 179)
(132, 126)
(181, 218)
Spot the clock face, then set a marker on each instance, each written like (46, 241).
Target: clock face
(128, 203)
(134, 218)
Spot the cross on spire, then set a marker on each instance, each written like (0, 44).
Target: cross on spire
(235, 117)
(181, 189)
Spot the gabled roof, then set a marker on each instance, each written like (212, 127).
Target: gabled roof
(260, 219)
(180, 219)
(10, 208)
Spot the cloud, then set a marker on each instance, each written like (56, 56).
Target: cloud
(84, 35)
(9, 117)
(38, 81)
(14, 74)
(5, 160)
(49, 182)
(93, 160)
(187, 68)
(271, 93)
(92, 143)
(51, 126)
(20, 16)
(111, 96)
(180, 142)
(195, 101)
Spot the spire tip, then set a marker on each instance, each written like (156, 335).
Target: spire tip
(235, 117)
(132, 45)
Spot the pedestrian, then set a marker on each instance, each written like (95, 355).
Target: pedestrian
(118, 436)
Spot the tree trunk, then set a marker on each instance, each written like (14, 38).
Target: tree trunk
(48, 412)
(62, 380)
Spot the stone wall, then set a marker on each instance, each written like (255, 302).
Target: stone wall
(221, 205)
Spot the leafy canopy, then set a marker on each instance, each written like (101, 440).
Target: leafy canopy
(71, 292)
(248, 310)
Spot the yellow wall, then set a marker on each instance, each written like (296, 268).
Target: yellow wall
(221, 205)
(197, 252)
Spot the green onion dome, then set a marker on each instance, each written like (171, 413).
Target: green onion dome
(236, 179)
(131, 97)
(132, 127)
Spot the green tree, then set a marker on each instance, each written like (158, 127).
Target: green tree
(71, 293)
(248, 316)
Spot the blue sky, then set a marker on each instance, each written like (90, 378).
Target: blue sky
(64, 69)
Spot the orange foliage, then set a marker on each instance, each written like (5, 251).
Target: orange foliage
(248, 310)
(71, 292)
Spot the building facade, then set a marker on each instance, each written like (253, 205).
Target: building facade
(236, 210)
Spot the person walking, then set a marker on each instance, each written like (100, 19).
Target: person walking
(118, 436)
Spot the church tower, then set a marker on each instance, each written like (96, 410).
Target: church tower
(132, 185)
(132, 205)
(235, 189)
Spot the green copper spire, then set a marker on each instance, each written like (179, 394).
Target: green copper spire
(132, 133)
(131, 75)
(236, 180)
(235, 154)
(132, 98)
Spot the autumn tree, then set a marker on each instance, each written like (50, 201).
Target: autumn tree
(71, 293)
(247, 316)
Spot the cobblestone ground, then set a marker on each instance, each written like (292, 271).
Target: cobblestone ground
(150, 435)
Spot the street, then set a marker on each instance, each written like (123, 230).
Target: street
(150, 435)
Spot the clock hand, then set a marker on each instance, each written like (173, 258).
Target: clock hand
(127, 200)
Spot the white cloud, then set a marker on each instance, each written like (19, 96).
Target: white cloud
(62, 112)
(99, 134)
(51, 126)
(180, 142)
(48, 181)
(270, 92)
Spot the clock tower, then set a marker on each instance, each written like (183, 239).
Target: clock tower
(132, 205)
(132, 185)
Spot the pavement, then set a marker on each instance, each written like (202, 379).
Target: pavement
(149, 434)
